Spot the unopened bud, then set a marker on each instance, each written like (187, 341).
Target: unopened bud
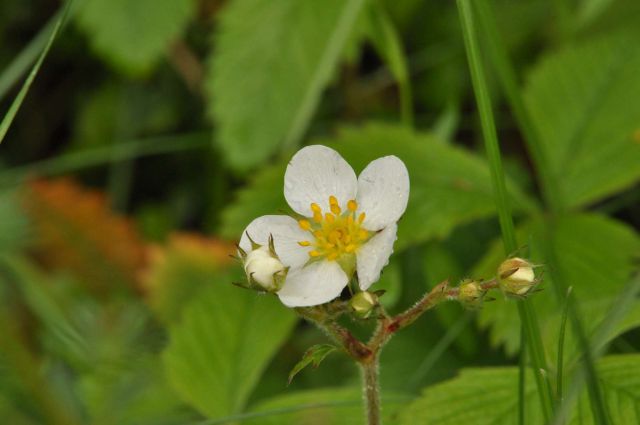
(264, 269)
(516, 277)
(470, 293)
(363, 303)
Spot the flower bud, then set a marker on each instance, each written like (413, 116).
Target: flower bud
(516, 277)
(363, 303)
(470, 294)
(264, 269)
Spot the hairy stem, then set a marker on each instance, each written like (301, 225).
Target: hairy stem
(371, 391)
(367, 355)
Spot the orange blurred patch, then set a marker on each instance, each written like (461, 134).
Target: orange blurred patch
(76, 230)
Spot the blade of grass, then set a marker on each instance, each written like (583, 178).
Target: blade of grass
(105, 155)
(599, 408)
(527, 314)
(560, 361)
(522, 375)
(17, 102)
(507, 79)
(625, 301)
(497, 53)
(20, 64)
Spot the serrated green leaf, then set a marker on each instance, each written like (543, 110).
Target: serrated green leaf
(449, 185)
(133, 35)
(222, 345)
(585, 103)
(313, 356)
(619, 377)
(273, 59)
(489, 396)
(595, 255)
(327, 406)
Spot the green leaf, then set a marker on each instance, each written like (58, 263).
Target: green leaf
(595, 256)
(133, 35)
(449, 185)
(619, 377)
(585, 102)
(329, 406)
(489, 396)
(313, 356)
(225, 340)
(273, 59)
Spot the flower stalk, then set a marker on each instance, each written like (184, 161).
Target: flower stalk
(367, 354)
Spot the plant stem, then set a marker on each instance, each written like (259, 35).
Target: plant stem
(367, 355)
(371, 391)
(527, 314)
(522, 376)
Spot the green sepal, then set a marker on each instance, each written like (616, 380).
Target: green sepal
(254, 245)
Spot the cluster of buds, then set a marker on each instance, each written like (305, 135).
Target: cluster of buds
(471, 294)
(264, 270)
(517, 278)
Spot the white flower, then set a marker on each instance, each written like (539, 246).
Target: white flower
(350, 224)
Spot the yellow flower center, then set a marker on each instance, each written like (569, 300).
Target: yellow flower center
(334, 233)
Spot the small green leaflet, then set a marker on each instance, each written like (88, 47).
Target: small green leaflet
(313, 356)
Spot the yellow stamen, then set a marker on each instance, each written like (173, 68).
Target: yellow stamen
(304, 224)
(337, 232)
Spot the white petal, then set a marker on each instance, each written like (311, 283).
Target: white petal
(317, 283)
(374, 255)
(383, 192)
(315, 173)
(286, 235)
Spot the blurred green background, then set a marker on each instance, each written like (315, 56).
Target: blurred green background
(156, 130)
